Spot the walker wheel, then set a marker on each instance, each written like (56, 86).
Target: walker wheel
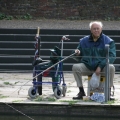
(58, 92)
(64, 89)
(32, 92)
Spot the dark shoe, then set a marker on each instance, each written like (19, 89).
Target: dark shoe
(112, 99)
(79, 96)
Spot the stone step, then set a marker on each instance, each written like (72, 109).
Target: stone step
(45, 38)
(17, 46)
(55, 31)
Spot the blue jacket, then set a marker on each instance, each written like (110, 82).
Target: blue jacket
(93, 53)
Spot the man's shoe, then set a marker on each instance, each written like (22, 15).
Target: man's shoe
(112, 98)
(79, 96)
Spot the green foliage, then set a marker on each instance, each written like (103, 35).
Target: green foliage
(9, 17)
(40, 98)
(68, 91)
(111, 102)
(18, 101)
(74, 18)
(2, 16)
(18, 17)
(51, 99)
(1, 96)
(27, 17)
(107, 19)
(71, 102)
(7, 83)
(6, 17)
(16, 82)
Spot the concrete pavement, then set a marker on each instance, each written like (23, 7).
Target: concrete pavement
(10, 85)
(56, 24)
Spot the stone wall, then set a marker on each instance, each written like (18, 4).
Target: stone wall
(63, 9)
(65, 111)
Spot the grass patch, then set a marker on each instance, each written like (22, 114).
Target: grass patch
(7, 83)
(16, 82)
(68, 91)
(111, 102)
(71, 102)
(40, 98)
(17, 101)
(51, 99)
(1, 96)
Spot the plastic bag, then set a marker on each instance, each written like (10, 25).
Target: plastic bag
(94, 81)
(98, 97)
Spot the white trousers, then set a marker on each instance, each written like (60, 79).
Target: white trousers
(80, 70)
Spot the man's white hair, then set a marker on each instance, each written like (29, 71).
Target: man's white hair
(96, 22)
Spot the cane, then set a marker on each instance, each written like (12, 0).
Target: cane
(48, 69)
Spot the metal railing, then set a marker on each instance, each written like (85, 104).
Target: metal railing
(107, 75)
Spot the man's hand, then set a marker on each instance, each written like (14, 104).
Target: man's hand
(98, 70)
(77, 52)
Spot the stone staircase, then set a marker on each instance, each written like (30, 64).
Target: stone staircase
(17, 47)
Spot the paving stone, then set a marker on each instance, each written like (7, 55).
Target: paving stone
(10, 87)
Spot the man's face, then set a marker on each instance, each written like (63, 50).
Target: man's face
(96, 30)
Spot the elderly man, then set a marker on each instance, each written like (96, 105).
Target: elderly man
(93, 46)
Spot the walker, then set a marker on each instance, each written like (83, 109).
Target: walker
(49, 68)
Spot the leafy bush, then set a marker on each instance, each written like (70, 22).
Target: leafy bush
(2, 16)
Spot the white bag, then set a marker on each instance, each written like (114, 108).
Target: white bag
(94, 81)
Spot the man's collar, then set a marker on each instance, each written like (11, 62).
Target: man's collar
(94, 39)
